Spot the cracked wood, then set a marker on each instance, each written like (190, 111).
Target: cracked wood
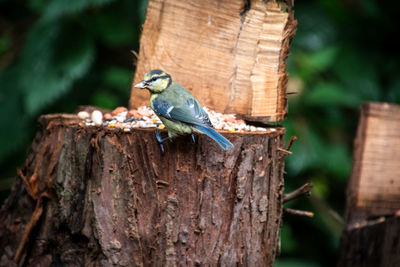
(230, 54)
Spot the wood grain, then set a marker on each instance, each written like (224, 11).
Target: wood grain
(371, 233)
(374, 188)
(230, 53)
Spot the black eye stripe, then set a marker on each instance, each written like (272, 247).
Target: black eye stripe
(156, 78)
(152, 79)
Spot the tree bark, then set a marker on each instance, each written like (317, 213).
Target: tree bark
(96, 196)
(371, 234)
(372, 244)
(229, 53)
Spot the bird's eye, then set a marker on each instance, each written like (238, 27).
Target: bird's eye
(152, 79)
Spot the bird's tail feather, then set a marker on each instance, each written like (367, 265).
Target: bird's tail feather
(222, 141)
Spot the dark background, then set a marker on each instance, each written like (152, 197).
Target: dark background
(56, 55)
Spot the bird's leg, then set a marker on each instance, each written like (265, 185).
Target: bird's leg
(161, 140)
(193, 139)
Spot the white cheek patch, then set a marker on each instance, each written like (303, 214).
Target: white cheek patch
(156, 82)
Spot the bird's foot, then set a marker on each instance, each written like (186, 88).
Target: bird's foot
(161, 140)
(159, 137)
(193, 139)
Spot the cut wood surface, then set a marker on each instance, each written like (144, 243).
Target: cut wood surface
(374, 187)
(372, 225)
(230, 54)
(96, 196)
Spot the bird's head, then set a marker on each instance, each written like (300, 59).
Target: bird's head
(155, 81)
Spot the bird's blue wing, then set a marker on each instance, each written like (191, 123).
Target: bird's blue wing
(191, 112)
(217, 137)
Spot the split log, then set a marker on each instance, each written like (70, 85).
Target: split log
(97, 196)
(371, 235)
(374, 187)
(230, 53)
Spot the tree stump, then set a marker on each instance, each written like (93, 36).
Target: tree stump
(96, 196)
(374, 243)
(371, 235)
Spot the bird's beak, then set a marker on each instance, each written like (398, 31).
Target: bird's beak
(141, 85)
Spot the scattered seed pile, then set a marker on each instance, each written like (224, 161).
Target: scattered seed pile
(144, 117)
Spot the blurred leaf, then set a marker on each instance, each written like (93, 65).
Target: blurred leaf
(331, 94)
(105, 100)
(142, 10)
(394, 91)
(5, 44)
(38, 5)
(320, 188)
(370, 7)
(321, 59)
(112, 30)
(119, 79)
(288, 243)
(310, 64)
(57, 8)
(306, 151)
(316, 30)
(338, 160)
(48, 73)
(358, 75)
(313, 151)
(12, 134)
(325, 220)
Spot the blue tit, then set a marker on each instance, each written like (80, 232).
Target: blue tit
(176, 107)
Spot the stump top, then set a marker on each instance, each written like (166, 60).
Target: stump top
(50, 120)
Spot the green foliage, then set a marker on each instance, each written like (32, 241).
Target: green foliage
(105, 99)
(119, 78)
(51, 65)
(339, 59)
(5, 44)
(58, 8)
(56, 55)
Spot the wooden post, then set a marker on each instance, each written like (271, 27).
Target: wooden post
(371, 235)
(97, 196)
(230, 54)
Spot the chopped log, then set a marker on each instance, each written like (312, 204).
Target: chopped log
(374, 187)
(371, 234)
(98, 196)
(230, 54)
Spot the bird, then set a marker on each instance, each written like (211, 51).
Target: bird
(178, 110)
